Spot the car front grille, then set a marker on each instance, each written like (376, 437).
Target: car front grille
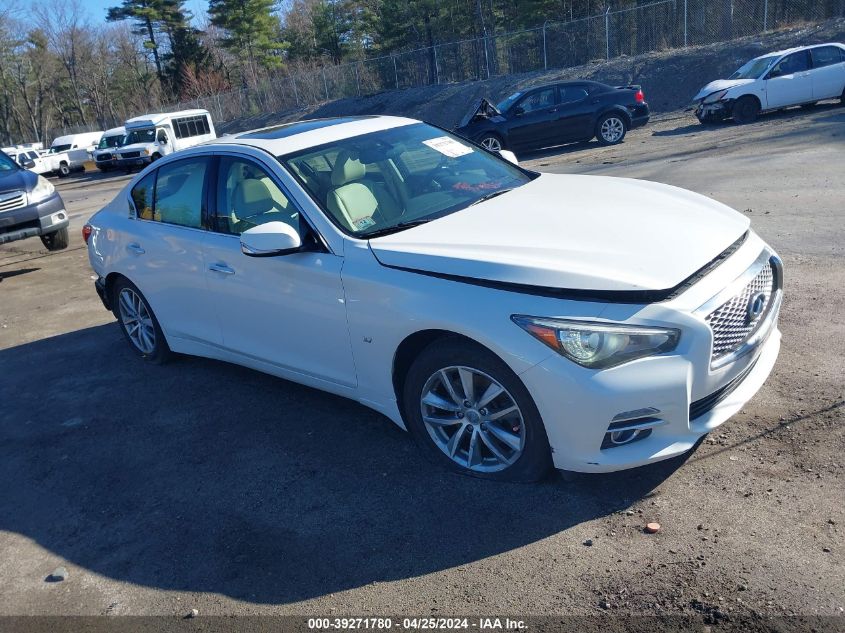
(103, 157)
(12, 200)
(131, 155)
(736, 320)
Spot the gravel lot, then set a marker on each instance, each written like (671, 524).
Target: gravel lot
(204, 485)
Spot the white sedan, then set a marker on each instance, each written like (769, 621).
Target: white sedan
(798, 76)
(509, 320)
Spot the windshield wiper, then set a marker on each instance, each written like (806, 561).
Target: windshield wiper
(493, 194)
(396, 228)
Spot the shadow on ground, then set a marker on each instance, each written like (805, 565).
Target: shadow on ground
(203, 476)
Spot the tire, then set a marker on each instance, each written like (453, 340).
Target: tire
(746, 110)
(512, 447)
(491, 142)
(56, 241)
(611, 129)
(155, 157)
(130, 307)
(64, 170)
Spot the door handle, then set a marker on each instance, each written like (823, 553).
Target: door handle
(134, 247)
(221, 268)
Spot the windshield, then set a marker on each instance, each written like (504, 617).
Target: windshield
(754, 68)
(111, 141)
(6, 163)
(55, 149)
(147, 135)
(385, 181)
(507, 103)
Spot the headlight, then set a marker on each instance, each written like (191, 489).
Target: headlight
(599, 345)
(714, 97)
(43, 189)
(147, 151)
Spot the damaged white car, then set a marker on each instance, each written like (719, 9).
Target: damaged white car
(798, 76)
(509, 320)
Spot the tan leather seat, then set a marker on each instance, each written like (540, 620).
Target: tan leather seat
(350, 201)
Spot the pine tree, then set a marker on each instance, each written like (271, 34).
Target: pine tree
(252, 32)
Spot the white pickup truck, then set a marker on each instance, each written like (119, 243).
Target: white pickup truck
(70, 153)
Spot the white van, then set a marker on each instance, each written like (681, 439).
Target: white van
(70, 153)
(105, 154)
(152, 136)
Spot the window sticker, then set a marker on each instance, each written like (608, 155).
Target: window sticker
(364, 223)
(448, 146)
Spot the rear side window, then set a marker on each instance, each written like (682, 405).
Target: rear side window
(173, 194)
(179, 192)
(571, 94)
(826, 56)
(142, 196)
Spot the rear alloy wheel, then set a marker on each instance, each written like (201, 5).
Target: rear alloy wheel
(138, 323)
(491, 143)
(610, 129)
(469, 411)
(746, 110)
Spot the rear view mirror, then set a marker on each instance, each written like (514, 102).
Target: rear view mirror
(509, 156)
(270, 239)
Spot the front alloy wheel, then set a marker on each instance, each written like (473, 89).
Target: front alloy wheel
(473, 419)
(491, 144)
(469, 411)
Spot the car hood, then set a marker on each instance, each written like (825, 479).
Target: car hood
(721, 84)
(17, 180)
(482, 108)
(574, 233)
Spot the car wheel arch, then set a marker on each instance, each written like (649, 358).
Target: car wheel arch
(626, 116)
(410, 348)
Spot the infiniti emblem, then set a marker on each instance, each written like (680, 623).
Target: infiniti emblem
(755, 307)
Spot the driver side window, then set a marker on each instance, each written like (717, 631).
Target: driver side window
(791, 64)
(247, 197)
(538, 100)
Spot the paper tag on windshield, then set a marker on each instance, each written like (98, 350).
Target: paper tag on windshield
(448, 146)
(364, 223)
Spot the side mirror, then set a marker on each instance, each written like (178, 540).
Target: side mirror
(518, 111)
(509, 156)
(29, 164)
(270, 239)
(774, 72)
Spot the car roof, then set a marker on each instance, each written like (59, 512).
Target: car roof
(115, 131)
(293, 137)
(797, 49)
(156, 117)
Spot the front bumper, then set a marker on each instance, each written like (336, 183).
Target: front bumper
(141, 161)
(33, 220)
(717, 111)
(670, 400)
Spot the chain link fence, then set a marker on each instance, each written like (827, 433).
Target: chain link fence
(656, 26)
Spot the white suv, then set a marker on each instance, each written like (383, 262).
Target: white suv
(798, 76)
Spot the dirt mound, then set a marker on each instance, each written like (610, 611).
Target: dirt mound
(670, 79)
